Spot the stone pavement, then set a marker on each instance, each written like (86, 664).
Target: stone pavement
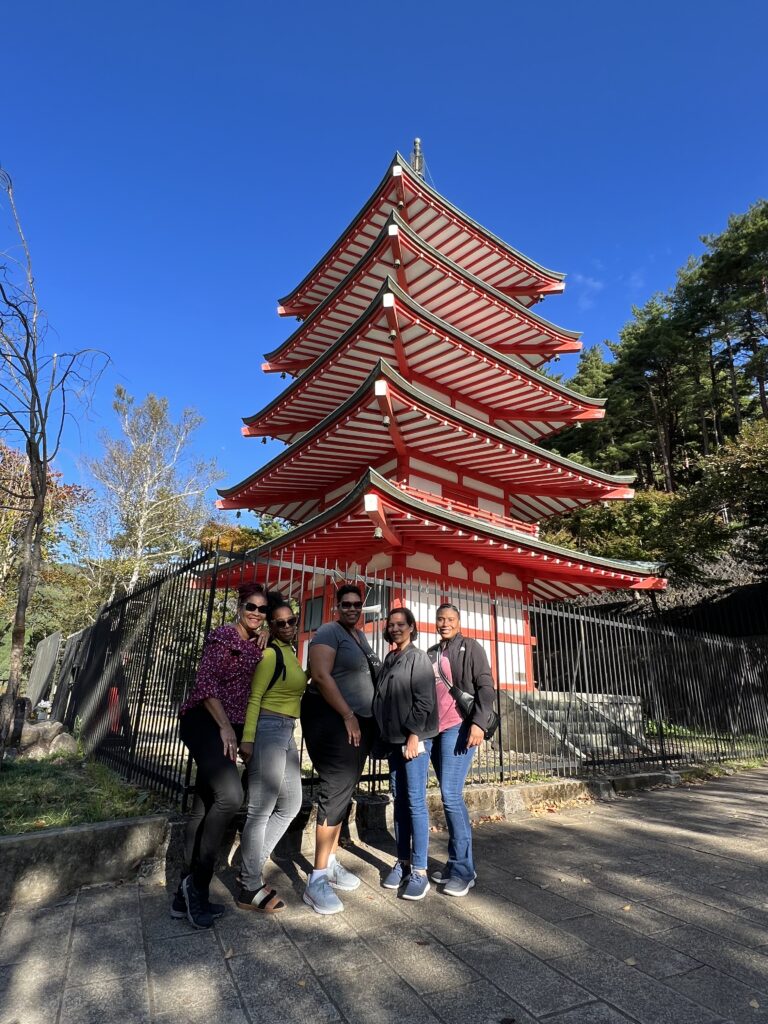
(652, 909)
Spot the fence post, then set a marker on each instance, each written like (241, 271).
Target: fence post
(143, 685)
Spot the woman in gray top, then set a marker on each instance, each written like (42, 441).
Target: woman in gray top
(338, 728)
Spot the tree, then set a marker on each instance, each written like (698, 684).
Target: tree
(37, 388)
(735, 481)
(152, 489)
(237, 538)
(655, 526)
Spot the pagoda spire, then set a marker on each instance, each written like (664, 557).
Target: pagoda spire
(417, 158)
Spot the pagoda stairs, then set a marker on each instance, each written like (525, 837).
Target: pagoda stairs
(580, 727)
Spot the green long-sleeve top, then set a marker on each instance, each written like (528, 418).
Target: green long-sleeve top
(284, 696)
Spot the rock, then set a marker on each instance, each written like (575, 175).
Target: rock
(36, 753)
(63, 744)
(39, 732)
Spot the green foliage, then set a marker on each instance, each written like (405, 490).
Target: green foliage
(238, 538)
(654, 526)
(686, 412)
(735, 479)
(59, 791)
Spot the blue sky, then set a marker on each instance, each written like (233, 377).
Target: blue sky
(181, 165)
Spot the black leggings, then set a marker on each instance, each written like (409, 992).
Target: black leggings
(218, 794)
(338, 763)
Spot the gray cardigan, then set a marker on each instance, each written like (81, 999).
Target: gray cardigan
(406, 703)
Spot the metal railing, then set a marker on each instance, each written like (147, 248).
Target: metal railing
(581, 691)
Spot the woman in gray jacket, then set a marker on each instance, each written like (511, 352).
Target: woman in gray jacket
(405, 708)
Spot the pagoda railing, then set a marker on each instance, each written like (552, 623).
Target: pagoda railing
(472, 511)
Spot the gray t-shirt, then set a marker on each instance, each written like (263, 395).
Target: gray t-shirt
(350, 665)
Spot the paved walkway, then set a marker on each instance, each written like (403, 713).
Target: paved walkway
(652, 909)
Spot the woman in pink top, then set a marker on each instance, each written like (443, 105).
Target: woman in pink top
(462, 663)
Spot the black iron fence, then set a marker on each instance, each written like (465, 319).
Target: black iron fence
(581, 690)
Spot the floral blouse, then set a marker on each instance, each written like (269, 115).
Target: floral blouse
(226, 670)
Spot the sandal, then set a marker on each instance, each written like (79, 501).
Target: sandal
(263, 901)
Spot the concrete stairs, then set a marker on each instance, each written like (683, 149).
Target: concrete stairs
(586, 726)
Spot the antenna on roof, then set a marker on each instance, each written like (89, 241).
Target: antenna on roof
(417, 158)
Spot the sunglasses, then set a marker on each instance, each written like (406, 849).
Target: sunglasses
(260, 608)
(286, 622)
(347, 605)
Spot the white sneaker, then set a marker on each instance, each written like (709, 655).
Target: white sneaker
(342, 879)
(320, 896)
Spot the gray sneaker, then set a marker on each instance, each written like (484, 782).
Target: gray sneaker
(441, 876)
(342, 879)
(458, 886)
(320, 896)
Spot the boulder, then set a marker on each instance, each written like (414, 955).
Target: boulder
(63, 744)
(39, 732)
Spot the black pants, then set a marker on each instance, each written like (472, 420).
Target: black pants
(338, 762)
(218, 794)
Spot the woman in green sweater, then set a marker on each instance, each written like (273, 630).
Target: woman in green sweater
(269, 751)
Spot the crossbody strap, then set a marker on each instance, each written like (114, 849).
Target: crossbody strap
(368, 657)
(454, 690)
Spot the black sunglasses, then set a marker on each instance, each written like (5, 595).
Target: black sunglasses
(286, 622)
(251, 607)
(346, 605)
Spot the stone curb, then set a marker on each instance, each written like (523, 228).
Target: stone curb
(374, 813)
(53, 862)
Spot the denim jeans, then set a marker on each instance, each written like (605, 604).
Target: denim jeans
(274, 794)
(451, 760)
(409, 788)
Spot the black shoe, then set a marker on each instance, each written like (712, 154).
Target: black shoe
(198, 914)
(179, 906)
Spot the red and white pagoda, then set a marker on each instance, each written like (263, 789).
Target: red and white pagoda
(413, 419)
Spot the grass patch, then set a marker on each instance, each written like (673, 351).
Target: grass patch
(61, 791)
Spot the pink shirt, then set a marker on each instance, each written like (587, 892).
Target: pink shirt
(448, 714)
(226, 670)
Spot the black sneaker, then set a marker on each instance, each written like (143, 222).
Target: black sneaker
(198, 914)
(179, 906)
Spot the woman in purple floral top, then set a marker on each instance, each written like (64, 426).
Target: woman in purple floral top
(211, 726)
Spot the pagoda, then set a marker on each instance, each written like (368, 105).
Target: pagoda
(413, 423)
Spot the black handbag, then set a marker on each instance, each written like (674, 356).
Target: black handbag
(465, 702)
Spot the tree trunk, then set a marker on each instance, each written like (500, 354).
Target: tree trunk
(717, 408)
(663, 444)
(734, 383)
(30, 567)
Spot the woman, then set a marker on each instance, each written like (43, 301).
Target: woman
(211, 726)
(269, 750)
(405, 708)
(338, 728)
(459, 662)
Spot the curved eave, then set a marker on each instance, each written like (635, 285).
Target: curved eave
(439, 327)
(443, 413)
(572, 570)
(473, 284)
(552, 277)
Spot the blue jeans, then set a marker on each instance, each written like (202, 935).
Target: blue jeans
(451, 760)
(409, 788)
(274, 794)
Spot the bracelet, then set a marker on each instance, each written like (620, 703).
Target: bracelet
(350, 715)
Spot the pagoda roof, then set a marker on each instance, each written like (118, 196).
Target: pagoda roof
(387, 418)
(432, 354)
(376, 515)
(442, 225)
(435, 282)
